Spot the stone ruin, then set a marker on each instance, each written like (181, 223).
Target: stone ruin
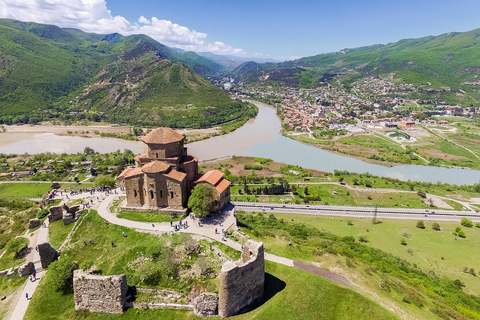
(64, 212)
(97, 293)
(242, 282)
(206, 304)
(33, 223)
(47, 254)
(56, 213)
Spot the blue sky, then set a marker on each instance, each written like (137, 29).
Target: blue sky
(278, 29)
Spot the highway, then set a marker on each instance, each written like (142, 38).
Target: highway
(357, 212)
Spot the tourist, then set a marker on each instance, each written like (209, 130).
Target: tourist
(26, 295)
(36, 248)
(186, 224)
(215, 230)
(90, 240)
(84, 243)
(113, 245)
(123, 234)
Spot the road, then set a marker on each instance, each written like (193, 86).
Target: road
(358, 212)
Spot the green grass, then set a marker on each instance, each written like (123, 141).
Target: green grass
(293, 294)
(57, 233)
(8, 286)
(148, 216)
(9, 259)
(23, 190)
(429, 246)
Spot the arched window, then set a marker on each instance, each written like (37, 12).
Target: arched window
(171, 194)
(135, 193)
(151, 194)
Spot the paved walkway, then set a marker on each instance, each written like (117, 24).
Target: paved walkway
(30, 287)
(205, 228)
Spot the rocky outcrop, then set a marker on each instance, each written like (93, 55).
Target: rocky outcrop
(242, 282)
(33, 223)
(26, 269)
(68, 218)
(205, 304)
(56, 213)
(47, 254)
(96, 293)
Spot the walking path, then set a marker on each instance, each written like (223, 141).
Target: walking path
(205, 228)
(30, 287)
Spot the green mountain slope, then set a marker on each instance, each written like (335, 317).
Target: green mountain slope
(49, 72)
(448, 60)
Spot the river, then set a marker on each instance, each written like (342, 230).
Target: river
(260, 138)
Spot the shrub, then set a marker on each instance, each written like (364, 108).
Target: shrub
(477, 225)
(16, 245)
(368, 183)
(61, 273)
(42, 213)
(420, 224)
(369, 197)
(253, 167)
(422, 194)
(436, 226)
(466, 222)
(403, 242)
(362, 239)
(350, 223)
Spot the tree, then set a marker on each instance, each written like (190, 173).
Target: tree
(420, 224)
(436, 226)
(16, 245)
(88, 151)
(203, 200)
(466, 222)
(105, 182)
(62, 274)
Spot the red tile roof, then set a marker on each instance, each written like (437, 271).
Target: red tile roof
(223, 185)
(212, 177)
(176, 175)
(162, 136)
(130, 172)
(155, 167)
(141, 157)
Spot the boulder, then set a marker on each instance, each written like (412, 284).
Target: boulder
(33, 223)
(205, 304)
(47, 254)
(68, 218)
(26, 269)
(56, 213)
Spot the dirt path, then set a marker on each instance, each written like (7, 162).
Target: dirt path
(323, 273)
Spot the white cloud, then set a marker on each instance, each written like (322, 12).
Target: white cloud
(94, 16)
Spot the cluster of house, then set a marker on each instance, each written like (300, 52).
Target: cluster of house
(367, 101)
(20, 169)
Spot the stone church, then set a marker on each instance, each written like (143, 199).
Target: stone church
(165, 174)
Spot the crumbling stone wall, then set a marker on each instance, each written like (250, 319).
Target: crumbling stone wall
(242, 282)
(47, 254)
(205, 304)
(56, 213)
(99, 293)
(33, 223)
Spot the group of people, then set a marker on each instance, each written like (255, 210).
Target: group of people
(179, 226)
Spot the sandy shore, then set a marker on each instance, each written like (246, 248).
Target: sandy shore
(89, 131)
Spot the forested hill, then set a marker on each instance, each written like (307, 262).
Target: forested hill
(451, 59)
(48, 72)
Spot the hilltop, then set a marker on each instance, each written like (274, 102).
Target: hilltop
(49, 72)
(448, 61)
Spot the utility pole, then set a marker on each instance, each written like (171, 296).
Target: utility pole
(374, 220)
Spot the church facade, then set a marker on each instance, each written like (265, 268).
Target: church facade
(165, 174)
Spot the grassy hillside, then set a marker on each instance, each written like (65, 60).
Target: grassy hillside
(447, 61)
(47, 72)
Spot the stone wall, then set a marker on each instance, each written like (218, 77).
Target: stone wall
(99, 293)
(47, 254)
(242, 282)
(33, 223)
(205, 304)
(56, 213)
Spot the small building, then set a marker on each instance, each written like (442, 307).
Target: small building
(407, 124)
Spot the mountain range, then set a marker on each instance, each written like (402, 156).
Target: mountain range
(49, 72)
(449, 61)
